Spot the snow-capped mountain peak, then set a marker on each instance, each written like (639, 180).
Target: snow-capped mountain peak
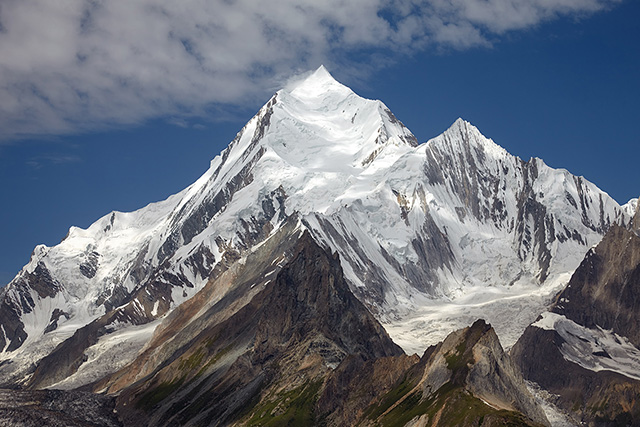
(335, 127)
(317, 124)
(462, 133)
(410, 222)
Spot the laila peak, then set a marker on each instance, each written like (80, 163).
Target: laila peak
(429, 237)
(319, 124)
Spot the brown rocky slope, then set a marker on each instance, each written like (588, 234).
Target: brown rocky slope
(304, 351)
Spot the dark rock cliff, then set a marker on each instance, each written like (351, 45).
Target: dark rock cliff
(467, 380)
(603, 294)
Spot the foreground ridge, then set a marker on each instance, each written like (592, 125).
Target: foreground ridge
(300, 350)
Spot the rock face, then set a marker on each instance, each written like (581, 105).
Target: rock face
(635, 223)
(298, 326)
(586, 349)
(606, 287)
(465, 380)
(56, 409)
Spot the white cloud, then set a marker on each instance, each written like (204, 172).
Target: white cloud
(73, 65)
(499, 16)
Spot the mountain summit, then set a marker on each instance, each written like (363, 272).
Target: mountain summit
(316, 84)
(455, 225)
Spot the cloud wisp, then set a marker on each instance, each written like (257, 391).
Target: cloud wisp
(81, 65)
(38, 162)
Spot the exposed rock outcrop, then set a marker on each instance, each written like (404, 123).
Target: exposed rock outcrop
(53, 408)
(586, 350)
(465, 380)
(295, 345)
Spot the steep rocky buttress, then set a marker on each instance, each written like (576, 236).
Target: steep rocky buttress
(586, 349)
(304, 350)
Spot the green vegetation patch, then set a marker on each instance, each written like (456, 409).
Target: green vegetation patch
(158, 393)
(456, 407)
(193, 361)
(292, 408)
(198, 358)
(390, 398)
(210, 342)
(456, 360)
(411, 407)
(214, 359)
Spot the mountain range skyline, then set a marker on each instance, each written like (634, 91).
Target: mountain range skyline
(415, 225)
(562, 91)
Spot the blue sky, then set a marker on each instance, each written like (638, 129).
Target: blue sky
(101, 113)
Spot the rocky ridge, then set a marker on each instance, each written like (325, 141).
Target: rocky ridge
(585, 350)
